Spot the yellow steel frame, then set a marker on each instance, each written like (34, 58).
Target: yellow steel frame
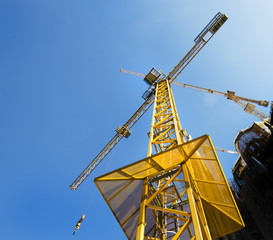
(165, 129)
(166, 132)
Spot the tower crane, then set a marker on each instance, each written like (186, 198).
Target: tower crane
(179, 190)
(152, 77)
(241, 101)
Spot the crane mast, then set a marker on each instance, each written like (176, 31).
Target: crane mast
(166, 133)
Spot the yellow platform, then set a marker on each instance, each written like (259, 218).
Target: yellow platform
(122, 188)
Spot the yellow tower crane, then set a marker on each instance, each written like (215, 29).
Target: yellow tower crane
(179, 191)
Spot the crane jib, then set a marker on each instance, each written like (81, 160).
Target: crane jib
(200, 41)
(112, 143)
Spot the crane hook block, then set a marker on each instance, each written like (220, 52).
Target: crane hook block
(78, 224)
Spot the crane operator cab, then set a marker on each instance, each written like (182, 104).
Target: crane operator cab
(153, 76)
(151, 79)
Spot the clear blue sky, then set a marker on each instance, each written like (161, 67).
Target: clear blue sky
(62, 96)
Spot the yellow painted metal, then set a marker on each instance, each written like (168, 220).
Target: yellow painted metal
(165, 129)
(170, 134)
(169, 210)
(142, 211)
(124, 194)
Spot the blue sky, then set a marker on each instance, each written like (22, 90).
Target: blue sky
(62, 96)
